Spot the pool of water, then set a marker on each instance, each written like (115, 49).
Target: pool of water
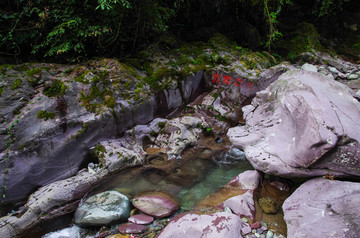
(189, 180)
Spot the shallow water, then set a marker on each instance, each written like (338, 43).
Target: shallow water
(189, 181)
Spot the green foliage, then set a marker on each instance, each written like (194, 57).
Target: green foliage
(46, 115)
(16, 84)
(55, 89)
(1, 90)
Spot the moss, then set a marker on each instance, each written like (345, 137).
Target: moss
(56, 89)
(1, 90)
(35, 71)
(154, 133)
(100, 151)
(161, 124)
(46, 115)
(5, 67)
(16, 84)
(82, 78)
(81, 131)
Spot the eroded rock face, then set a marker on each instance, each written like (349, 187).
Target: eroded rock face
(292, 126)
(218, 225)
(323, 207)
(103, 209)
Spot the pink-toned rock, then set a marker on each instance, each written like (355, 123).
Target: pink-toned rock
(156, 203)
(246, 230)
(322, 206)
(141, 219)
(303, 124)
(241, 205)
(131, 228)
(246, 180)
(255, 225)
(216, 225)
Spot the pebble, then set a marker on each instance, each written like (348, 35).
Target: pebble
(259, 231)
(333, 70)
(352, 76)
(269, 234)
(246, 230)
(244, 219)
(255, 225)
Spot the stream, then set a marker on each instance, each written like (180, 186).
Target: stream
(192, 180)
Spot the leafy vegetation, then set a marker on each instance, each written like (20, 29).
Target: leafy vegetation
(76, 30)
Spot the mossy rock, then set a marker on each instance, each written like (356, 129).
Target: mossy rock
(46, 115)
(55, 89)
(304, 39)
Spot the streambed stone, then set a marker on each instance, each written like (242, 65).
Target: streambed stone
(218, 225)
(242, 205)
(131, 228)
(321, 206)
(157, 203)
(141, 219)
(246, 180)
(103, 209)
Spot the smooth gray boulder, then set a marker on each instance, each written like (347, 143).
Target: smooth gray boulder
(302, 124)
(103, 209)
(323, 208)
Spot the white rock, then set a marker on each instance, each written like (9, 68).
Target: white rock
(309, 67)
(333, 70)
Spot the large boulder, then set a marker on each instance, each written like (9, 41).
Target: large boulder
(52, 114)
(218, 225)
(302, 124)
(103, 209)
(322, 207)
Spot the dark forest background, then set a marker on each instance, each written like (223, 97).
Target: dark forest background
(75, 30)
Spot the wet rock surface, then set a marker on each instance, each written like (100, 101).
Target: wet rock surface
(322, 206)
(158, 204)
(103, 209)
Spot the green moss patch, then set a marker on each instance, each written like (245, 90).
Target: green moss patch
(16, 84)
(55, 89)
(33, 72)
(46, 115)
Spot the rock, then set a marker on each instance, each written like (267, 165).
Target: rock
(309, 67)
(103, 209)
(131, 228)
(268, 205)
(196, 226)
(241, 205)
(50, 202)
(333, 70)
(50, 150)
(246, 180)
(269, 234)
(71, 232)
(302, 124)
(141, 219)
(158, 204)
(322, 206)
(352, 76)
(246, 230)
(255, 225)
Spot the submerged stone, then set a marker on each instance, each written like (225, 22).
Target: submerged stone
(141, 219)
(157, 203)
(131, 228)
(103, 209)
